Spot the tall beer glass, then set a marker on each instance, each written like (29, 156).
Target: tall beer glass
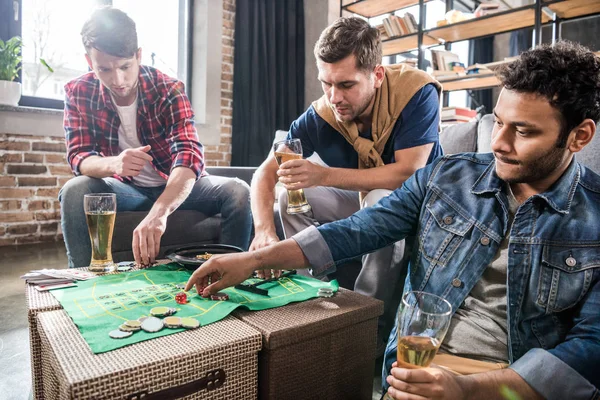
(100, 212)
(287, 150)
(423, 320)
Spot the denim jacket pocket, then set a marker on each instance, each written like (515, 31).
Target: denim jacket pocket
(444, 230)
(565, 276)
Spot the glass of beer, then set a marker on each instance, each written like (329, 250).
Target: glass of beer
(423, 320)
(287, 150)
(100, 212)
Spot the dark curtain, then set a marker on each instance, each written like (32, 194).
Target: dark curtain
(268, 79)
(481, 51)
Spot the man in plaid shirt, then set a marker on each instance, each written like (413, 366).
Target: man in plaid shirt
(130, 131)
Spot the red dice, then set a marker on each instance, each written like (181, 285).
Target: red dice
(181, 298)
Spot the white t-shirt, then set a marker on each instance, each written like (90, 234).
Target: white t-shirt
(128, 139)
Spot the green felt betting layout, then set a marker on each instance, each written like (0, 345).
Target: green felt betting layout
(98, 306)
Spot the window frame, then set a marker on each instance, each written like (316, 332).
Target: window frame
(12, 27)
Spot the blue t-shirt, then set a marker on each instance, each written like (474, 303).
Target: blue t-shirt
(417, 125)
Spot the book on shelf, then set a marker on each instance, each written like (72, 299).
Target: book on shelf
(458, 113)
(442, 60)
(382, 32)
(395, 26)
(388, 28)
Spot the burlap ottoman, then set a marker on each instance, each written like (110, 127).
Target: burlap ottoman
(37, 302)
(217, 361)
(322, 348)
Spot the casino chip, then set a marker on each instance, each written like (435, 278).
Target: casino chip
(152, 324)
(127, 328)
(219, 296)
(180, 286)
(160, 311)
(190, 323)
(118, 334)
(141, 319)
(172, 311)
(325, 292)
(125, 266)
(134, 323)
(172, 322)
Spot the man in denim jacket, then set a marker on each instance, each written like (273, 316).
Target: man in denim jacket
(510, 239)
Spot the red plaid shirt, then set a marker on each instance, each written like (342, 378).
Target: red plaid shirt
(165, 121)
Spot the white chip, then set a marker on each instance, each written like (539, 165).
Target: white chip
(118, 334)
(152, 324)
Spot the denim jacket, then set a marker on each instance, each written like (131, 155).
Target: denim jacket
(457, 211)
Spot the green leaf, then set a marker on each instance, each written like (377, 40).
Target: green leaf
(45, 64)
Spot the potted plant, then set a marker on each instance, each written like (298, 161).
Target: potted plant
(10, 65)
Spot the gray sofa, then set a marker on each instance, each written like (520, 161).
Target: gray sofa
(184, 227)
(187, 228)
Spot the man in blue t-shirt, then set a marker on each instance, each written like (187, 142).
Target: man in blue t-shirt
(373, 128)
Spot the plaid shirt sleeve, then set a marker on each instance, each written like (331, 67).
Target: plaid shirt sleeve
(184, 145)
(79, 140)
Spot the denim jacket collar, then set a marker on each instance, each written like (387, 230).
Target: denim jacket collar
(559, 196)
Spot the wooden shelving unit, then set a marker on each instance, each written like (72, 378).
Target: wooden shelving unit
(575, 8)
(506, 21)
(373, 8)
(468, 82)
(405, 43)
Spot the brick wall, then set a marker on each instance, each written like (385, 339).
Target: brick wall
(32, 170)
(220, 155)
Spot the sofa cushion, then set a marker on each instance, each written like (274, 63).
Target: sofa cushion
(484, 134)
(459, 138)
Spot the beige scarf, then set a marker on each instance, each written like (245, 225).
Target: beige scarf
(399, 86)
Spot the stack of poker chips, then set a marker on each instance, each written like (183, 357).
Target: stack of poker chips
(325, 292)
(154, 323)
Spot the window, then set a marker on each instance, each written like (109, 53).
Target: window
(51, 31)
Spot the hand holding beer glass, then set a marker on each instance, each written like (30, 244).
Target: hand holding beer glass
(287, 150)
(100, 212)
(423, 320)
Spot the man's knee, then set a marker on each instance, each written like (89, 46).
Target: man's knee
(373, 197)
(79, 186)
(238, 192)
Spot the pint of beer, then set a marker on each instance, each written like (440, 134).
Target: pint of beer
(100, 212)
(287, 150)
(423, 319)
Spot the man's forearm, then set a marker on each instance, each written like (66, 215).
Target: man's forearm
(492, 385)
(262, 199)
(179, 185)
(283, 255)
(363, 180)
(97, 167)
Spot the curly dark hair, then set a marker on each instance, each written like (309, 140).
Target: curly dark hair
(350, 35)
(566, 73)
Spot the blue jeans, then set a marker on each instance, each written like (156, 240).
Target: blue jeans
(211, 195)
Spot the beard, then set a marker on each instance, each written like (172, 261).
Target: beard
(534, 170)
(355, 112)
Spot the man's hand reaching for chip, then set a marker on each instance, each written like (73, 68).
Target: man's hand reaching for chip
(221, 272)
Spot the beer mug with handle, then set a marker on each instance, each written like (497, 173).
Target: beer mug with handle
(287, 150)
(423, 320)
(100, 212)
